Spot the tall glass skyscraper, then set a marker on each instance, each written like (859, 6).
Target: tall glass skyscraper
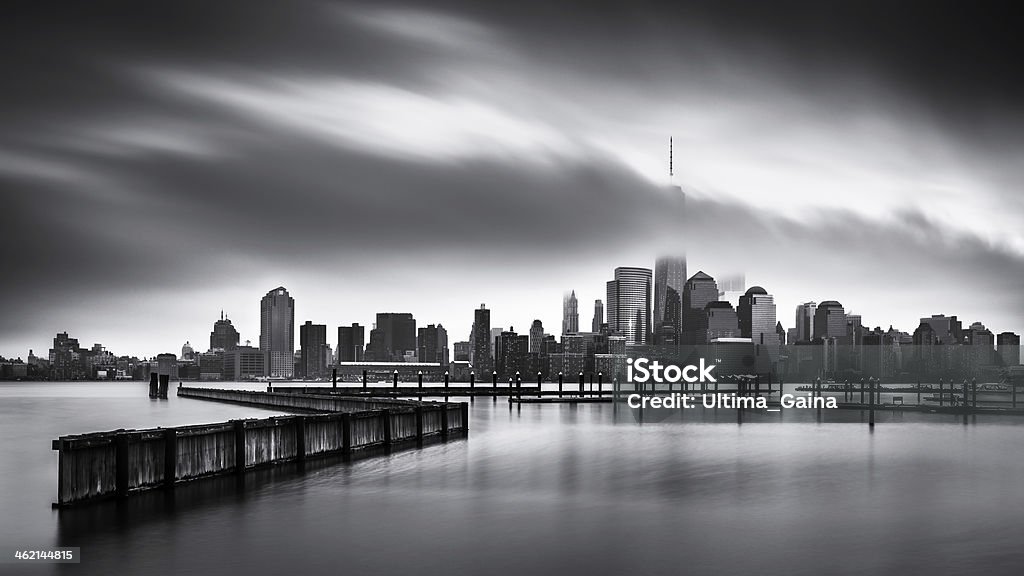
(629, 304)
(482, 360)
(277, 333)
(669, 273)
(570, 314)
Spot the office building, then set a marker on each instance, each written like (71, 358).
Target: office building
(351, 341)
(277, 333)
(570, 314)
(224, 336)
(629, 303)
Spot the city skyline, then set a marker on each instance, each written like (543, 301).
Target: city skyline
(465, 153)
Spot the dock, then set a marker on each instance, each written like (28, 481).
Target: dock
(119, 462)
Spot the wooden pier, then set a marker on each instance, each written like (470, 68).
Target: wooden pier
(115, 463)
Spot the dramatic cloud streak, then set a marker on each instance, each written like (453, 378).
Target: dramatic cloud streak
(429, 157)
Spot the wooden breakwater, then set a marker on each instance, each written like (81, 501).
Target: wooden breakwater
(115, 463)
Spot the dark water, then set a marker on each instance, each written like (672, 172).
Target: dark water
(543, 489)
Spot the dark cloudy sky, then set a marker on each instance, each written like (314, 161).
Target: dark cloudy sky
(160, 163)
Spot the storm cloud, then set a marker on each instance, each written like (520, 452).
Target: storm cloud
(158, 164)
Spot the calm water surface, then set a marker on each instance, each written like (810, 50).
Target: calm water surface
(541, 489)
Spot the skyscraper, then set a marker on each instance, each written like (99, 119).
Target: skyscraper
(570, 314)
(669, 274)
(804, 329)
(277, 333)
(393, 335)
(351, 340)
(536, 336)
(224, 335)
(829, 320)
(433, 345)
(1008, 346)
(481, 347)
(756, 315)
(312, 341)
(629, 303)
(699, 290)
(595, 325)
(719, 322)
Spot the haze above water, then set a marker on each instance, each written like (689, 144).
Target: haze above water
(541, 489)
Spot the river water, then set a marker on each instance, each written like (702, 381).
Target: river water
(541, 489)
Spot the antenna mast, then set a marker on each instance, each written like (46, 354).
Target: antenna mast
(670, 171)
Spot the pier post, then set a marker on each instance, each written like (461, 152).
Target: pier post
(419, 379)
(385, 416)
(465, 417)
(1013, 394)
(862, 391)
(419, 425)
(965, 401)
(300, 438)
(519, 385)
(444, 421)
(364, 379)
(974, 394)
(540, 384)
(334, 377)
(446, 379)
(494, 379)
(600, 383)
(164, 385)
(170, 456)
(871, 411)
(581, 384)
(239, 426)
(121, 464)
(472, 380)
(153, 376)
(918, 392)
(941, 397)
(346, 433)
(560, 375)
(395, 379)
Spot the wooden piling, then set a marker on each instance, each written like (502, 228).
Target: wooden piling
(346, 434)
(153, 384)
(600, 382)
(560, 384)
(121, 465)
(334, 377)
(965, 402)
(472, 380)
(364, 379)
(445, 378)
(164, 385)
(581, 384)
(170, 456)
(419, 425)
(871, 412)
(385, 415)
(239, 428)
(419, 379)
(465, 417)
(494, 379)
(300, 438)
(395, 379)
(974, 393)
(941, 396)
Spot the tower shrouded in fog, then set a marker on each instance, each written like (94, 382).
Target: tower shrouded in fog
(570, 314)
(670, 273)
